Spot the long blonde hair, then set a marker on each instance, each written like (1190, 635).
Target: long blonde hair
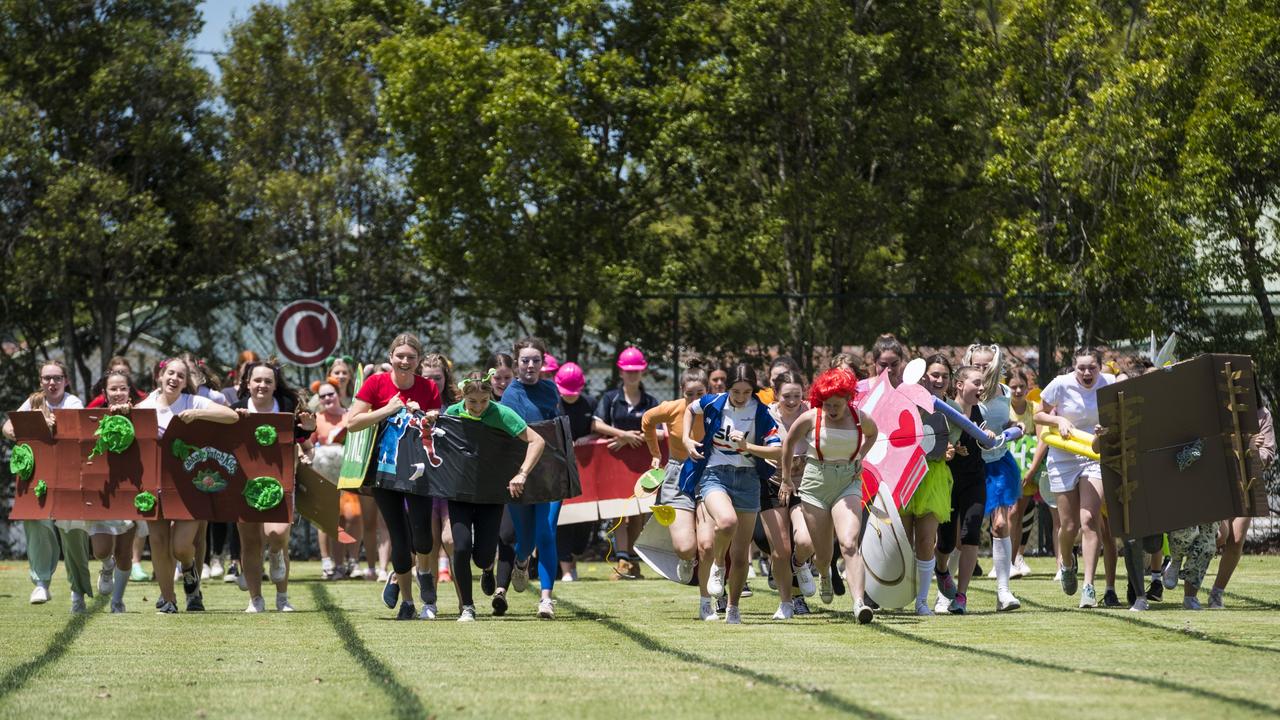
(995, 371)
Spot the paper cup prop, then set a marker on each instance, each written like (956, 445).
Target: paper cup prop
(648, 483)
(890, 562)
(655, 549)
(265, 435)
(1080, 443)
(115, 434)
(22, 463)
(896, 458)
(263, 493)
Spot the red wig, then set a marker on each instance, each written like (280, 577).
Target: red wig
(836, 381)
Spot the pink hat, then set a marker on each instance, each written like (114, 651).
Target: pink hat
(569, 379)
(550, 363)
(632, 359)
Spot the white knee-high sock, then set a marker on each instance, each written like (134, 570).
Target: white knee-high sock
(924, 575)
(1001, 549)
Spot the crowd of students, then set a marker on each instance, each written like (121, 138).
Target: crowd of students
(770, 467)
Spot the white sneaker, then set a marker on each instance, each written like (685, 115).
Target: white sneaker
(105, 579)
(256, 605)
(825, 593)
(922, 608)
(1006, 601)
(1170, 574)
(992, 575)
(804, 576)
(382, 575)
(1021, 568)
(468, 614)
(520, 576)
(942, 606)
(863, 613)
(707, 609)
(1191, 603)
(1140, 605)
(732, 615)
(215, 568)
(1215, 599)
(204, 572)
(77, 603)
(279, 568)
(546, 609)
(786, 610)
(429, 613)
(567, 577)
(684, 571)
(39, 595)
(715, 580)
(282, 603)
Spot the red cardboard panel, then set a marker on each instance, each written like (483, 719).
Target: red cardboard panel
(30, 428)
(109, 482)
(233, 451)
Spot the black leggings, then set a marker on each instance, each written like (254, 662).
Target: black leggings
(410, 529)
(475, 538)
(968, 500)
(506, 549)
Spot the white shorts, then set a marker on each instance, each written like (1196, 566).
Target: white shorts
(1066, 479)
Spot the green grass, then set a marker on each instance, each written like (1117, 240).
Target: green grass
(634, 650)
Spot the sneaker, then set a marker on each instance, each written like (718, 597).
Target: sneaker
(520, 576)
(233, 572)
(1215, 599)
(391, 593)
(992, 574)
(786, 610)
(159, 602)
(190, 581)
(1170, 574)
(429, 612)
(866, 600)
(77, 603)
(946, 585)
(684, 571)
(706, 610)
(407, 611)
(942, 606)
(546, 609)
(862, 612)
(977, 569)
(837, 579)
(959, 604)
(567, 577)
(204, 571)
(732, 616)
(487, 582)
(746, 590)
(773, 584)
(804, 576)
(1140, 605)
(105, 576)
(215, 568)
(468, 614)
(1191, 603)
(39, 595)
(382, 574)
(499, 603)
(279, 568)
(1088, 597)
(137, 574)
(1020, 568)
(1110, 599)
(766, 570)
(117, 607)
(1069, 580)
(715, 580)
(825, 593)
(195, 602)
(1155, 592)
(1057, 577)
(922, 608)
(1005, 601)
(801, 607)
(282, 603)
(165, 607)
(340, 572)
(326, 568)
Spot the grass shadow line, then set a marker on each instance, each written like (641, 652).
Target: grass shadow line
(1261, 604)
(405, 702)
(1042, 665)
(57, 646)
(648, 642)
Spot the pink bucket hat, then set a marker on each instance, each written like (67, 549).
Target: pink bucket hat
(569, 379)
(549, 363)
(632, 359)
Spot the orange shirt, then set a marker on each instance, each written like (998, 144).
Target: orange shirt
(325, 428)
(671, 414)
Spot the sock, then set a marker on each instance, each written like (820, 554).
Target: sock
(1111, 588)
(924, 573)
(281, 597)
(119, 579)
(1001, 549)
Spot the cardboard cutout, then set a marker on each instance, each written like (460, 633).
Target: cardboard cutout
(204, 467)
(317, 499)
(608, 480)
(655, 549)
(357, 449)
(896, 458)
(886, 551)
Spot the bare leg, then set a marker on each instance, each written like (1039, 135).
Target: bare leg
(1232, 549)
(1069, 523)
(846, 518)
(1090, 520)
(161, 534)
(778, 530)
(277, 537)
(251, 541)
(740, 554)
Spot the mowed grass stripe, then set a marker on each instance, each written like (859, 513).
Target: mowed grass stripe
(59, 645)
(405, 703)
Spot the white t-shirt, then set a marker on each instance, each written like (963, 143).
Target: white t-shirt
(166, 413)
(275, 406)
(69, 402)
(215, 395)
(1079, 405)
(723, 451)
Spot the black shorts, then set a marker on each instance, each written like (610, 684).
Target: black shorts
(968, 503)
(769, 494)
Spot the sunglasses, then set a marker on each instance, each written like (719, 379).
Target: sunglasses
(328, 395)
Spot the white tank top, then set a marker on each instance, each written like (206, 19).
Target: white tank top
(837, 445)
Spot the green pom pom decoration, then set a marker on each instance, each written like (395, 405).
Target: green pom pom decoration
(42, 489)
(144, 502)
(22, 463)
(263, 493)
(181, 449)
(210, 481)
(115, 434)
(265, 434)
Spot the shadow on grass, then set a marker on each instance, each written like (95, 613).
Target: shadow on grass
(1255, 601)
(1123, 615)
(405, 703)
(648, 642)
(1158, 683)
(53, 651)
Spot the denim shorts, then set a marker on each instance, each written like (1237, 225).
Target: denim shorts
(741, 484)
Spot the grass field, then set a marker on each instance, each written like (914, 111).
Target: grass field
(634, 650)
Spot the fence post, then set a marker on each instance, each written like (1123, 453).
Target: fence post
(675, 346)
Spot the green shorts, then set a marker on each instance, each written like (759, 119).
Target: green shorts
(824, 483)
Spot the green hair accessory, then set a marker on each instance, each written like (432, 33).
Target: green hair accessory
(265, 435)
(22, 463)
(210, 481)
(182, 449)
(263, 493)
(42, 489)
(115, 434)
(144, 502)
(487, 379)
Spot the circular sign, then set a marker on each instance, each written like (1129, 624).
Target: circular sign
(307, 332)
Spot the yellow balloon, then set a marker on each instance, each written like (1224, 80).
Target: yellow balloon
(664, 514)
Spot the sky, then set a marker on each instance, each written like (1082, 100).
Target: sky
(218, 16)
